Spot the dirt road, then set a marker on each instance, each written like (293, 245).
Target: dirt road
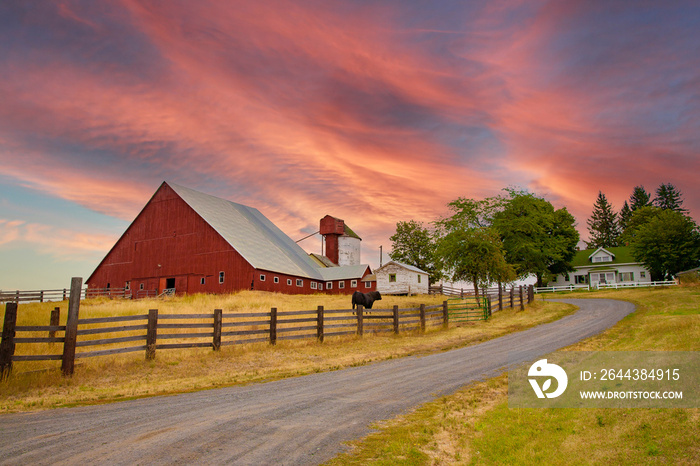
(303, 420)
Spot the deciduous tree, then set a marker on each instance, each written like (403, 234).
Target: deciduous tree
(415, 244)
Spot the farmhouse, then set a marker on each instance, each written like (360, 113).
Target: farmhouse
(604, 266)
(397, 278)
(185, 241)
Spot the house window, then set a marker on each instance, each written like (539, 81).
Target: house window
(418, 278)
(314, 286)
(221, 277)
(201, 281)
(262, 277)
(581, 279)
(300, 282)
(603, 277)
(566, 278)
(353, 284)
(392, 277)
(276, 279)
(127, 286)
(329, 285)
(627, 276)
(289, 282)
(341, 284)
(642, 275)
(602, 259)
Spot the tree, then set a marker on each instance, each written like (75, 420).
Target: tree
(537, 239)
(414, 244)
(639, 198)
(475, 254)
(667, 243)
(602, 226)
(625, 215)
(638, 218)
(669, 197)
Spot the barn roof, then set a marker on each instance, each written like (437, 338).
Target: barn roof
(257, 239)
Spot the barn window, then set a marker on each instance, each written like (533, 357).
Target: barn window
(262, 277)
(300, 282)
(341, 284)
(392, 277)
(141, 286)
(289, 281)
(221, 277)
(353, 284)
(276, 279)
(201, 281)
(127, 286)
(418, 278)
(314, 285)
(368, 284)
(320, 286)
(329, 285)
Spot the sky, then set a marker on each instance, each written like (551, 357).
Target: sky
(371, 111)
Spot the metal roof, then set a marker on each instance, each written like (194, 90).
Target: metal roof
(258, 240)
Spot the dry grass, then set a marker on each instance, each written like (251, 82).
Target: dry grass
(110, 378)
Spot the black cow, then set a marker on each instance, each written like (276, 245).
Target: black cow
(365, 299)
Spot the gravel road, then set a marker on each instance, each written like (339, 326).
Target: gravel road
(302, 420)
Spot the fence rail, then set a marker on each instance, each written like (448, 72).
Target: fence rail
(42, 296)
(600, 286)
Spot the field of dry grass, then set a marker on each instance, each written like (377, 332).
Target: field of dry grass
(39, 385)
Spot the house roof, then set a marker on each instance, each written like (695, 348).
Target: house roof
(257, 239)
(621, 255)
(405, 266)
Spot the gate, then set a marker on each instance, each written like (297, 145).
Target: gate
(468, 309)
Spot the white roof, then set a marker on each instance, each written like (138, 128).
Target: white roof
(258, 240)
(405, 266)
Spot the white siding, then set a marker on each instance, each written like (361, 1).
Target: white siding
(406, 280)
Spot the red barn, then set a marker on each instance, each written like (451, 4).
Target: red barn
(191, 242)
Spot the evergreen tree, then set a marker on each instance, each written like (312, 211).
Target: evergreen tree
(668, 197)
(639, 198)
(602, 226)
(625, 216)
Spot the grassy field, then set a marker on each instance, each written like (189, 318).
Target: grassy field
(39, 385)
(475, 425)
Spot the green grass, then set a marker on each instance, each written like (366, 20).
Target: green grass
(475, 425)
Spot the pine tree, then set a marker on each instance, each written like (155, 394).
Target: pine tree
(602, 226)
(625, 216)
(639, 198)
(669, 197)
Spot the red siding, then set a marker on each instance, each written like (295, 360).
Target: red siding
(169, 240)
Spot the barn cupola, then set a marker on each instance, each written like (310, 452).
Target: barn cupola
(342, 244)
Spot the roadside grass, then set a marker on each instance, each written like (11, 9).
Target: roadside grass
(475, 425)
(39, 385)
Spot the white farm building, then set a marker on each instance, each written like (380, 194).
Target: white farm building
(397, 278)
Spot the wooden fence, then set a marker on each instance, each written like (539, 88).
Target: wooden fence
(91, 337)
(42, 296)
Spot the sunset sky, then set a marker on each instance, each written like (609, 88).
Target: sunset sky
(371, 111)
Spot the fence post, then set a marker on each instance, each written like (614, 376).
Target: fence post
(512, 295)
(488, 305)
(319, 323)
(422, 317)
(7, 345)
(445, 315)
(64, 294)
(360, 320)
(71, 337)
(151, 334)
(522, 306)
(218, 318)
(41, 296)
(55, 315)
(17, 296)
(500, 297)
(530, 294)
(273, 326)
(396, 319)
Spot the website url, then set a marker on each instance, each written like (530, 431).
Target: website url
(631, 395)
